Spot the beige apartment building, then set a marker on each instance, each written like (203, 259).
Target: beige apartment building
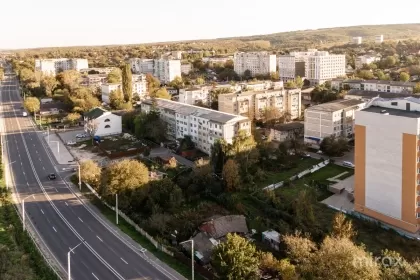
(252, 104)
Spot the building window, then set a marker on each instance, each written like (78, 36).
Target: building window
(107, 126)
(394, 103)
(107, 120)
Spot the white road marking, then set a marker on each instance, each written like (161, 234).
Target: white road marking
(42, 212)
(66, 203)
(36, 151)
(55, 189)
(27, 184)
(54, 229)
(48, 220)
(99, 238)
(80, 219)
(124, 261)
(95, 276)
(72, 251)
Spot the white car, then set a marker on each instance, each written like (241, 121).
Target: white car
(71, 143)
(348, 164)
(81, 135)
(25, 114)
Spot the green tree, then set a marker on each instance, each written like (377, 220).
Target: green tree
(230, 175)
(166, 195)
(150, 126)
(115, 76)
(73, 117)
(124, 175)
(299, 82)
(161, 93)
(390, 61)
(334, 146)
(247, 74)
(404, 77)
(32, 104)
(49, 83)
(365, 74)
(290, 84)
(271, 116)
(116, 99)
(69, 79)
(82, 99)
(275, 76)
(127, 83)
(235, 259)
(90, 173)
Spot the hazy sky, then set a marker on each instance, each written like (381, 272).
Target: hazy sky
(45, 23)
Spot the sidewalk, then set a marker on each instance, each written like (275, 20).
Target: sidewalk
(58, 149)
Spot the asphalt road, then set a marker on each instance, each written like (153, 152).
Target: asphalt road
(61, 220)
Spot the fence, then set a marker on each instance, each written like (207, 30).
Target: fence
(129, 221)
(299, 175)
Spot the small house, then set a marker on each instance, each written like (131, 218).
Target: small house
(99, 122)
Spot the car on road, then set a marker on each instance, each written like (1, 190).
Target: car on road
(81, 135)
(25, 114)
(52, 176)
(71, 143)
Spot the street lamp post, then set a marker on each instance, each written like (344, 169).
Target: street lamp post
(116, 207)
(68, 260)
(192, 256)
(23, 210)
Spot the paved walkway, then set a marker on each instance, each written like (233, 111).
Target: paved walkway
(58, 149)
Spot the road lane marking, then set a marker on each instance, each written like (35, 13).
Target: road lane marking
(73, 251)
(95, 276)
(55, 189)
(80, 219)
(124, 261)
(54, 229)
(48, 220)
(42, 212)
(43, 167)
(99, 238)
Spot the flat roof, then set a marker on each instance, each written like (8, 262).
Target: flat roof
(382, 82)
(252, 92)
(336, 105)
(371, 94)
(391, 111)
(288, 126)
(186, 109)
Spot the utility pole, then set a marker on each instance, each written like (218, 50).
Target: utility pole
(116, 207)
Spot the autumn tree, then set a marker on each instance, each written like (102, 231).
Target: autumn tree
(49, 83)
(271, 115)
(365, 74)
(116, 98)
(404, 77)
(32, 104)
(1, 74)
(200, 81)
(290, 84)
(123, 175)
(153, 83)
(299, 82)
(276, 268)
(417, 88)
(69, 79)
(235, 258)
(73, 117)
(90, 173)
(341, 227)
(243, 148)
(127, 85)
(177, 83)
(115, 76)
(390, 61)
(82, 99)
(303, 208)
(230, 175)
(161, 93)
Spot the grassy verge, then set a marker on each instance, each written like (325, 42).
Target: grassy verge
(144, 242)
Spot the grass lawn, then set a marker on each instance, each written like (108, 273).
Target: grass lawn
(275, 177)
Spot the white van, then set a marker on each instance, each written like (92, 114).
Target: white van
(25, 114)
(348, 164)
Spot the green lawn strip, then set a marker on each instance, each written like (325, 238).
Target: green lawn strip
(144, 242)
(276, 177)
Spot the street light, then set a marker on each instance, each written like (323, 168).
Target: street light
(58, 148)
(23, 210)
(116, 207)
(68, 259)
(192, 255)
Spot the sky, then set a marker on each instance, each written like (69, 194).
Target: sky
(55, 23)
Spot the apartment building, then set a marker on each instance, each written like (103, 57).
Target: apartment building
(332, 118)
(258, 63)
(54, 66)
(365, 59)
(194, 95)
(93, 80)
(357, 40)
(387, 162)
(217, 59)
(379, 39)
(315, 66)
(97, 70)
(374, 85)
(204, 126)
(252, 104)
(262, 85)
(164, 69)
(106, 90)
(139, 85)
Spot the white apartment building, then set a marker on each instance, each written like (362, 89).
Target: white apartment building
(259, 63)
(216, 59)
(252, 104)
(93, 80)
(164, 69)
(106, 90)
(186, 68)
(332, 118)
(379, 39)
(204, 126)
(139, 88)
(357, 40)
(365, 59)
(102, 122)
(387, 162)
(262, 85)
(193, 95)
(313, 65)
(374, 85)
(177, 54)
(53, 66)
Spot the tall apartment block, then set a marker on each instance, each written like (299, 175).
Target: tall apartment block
(252, 104)
(53, 66)
(379, 39)
(313, 65)
(259, 63)
(387, 162)
(164, 69)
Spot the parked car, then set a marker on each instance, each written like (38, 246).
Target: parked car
(319, 152)
(81, 135)
(348, 164)
(25, 114)
(71, 143)
(52, 176)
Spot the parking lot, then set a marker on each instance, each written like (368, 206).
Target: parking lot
(71, 135)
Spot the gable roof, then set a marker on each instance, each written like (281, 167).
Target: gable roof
(221, 226)
(95, 113)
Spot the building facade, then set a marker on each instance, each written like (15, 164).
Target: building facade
(186, 68)
(53, 66)
(99, 122)
(139, 87)
(258, 63)
(253, 104)
(93, 80)
(332, 118)
(164, 69)
(192, 96)
(387, 162)
(106, 90)
(205, 126)
(365, 59)
(379, 39)
(357, 40)
(286, 131)
(374, 85)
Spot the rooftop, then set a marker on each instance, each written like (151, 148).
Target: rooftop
(393, 112)
(95, 113)
(382, 82)
(371, 94)
(186, 109)
(288, 126)
(248, 93)
(219, 227)
(336, 105)
(272, 234)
